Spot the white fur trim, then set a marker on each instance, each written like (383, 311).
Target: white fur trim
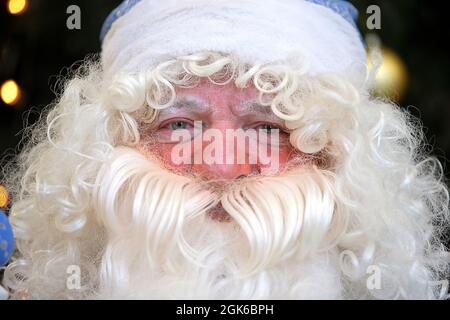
(258, 31)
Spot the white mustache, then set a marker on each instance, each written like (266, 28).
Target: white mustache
(280, 216)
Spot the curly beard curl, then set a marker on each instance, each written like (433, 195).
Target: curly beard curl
(390, 201)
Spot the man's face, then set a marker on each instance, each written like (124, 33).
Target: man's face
(224, 112)
(221, 111)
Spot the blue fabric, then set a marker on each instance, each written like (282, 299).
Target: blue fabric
(6, 239)
(342, 7)
(121, 10)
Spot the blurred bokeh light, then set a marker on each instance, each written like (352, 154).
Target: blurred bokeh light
(17, 7)
(10, 92)
(4, 197)
(391, 80)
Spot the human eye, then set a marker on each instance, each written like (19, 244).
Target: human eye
(169, 131)
(268, 127)
(178, 124)
(271, 134)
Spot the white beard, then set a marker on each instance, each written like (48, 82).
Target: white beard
(163, 244)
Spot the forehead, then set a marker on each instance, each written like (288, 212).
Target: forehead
(215, 93)
(209, 97)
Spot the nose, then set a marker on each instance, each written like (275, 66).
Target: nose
(226, 171)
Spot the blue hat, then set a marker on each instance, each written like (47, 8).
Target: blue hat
(342, 7)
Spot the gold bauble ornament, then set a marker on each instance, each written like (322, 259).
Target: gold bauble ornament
(4, 197)
(391, 80)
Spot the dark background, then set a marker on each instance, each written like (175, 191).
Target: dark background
(36, 47)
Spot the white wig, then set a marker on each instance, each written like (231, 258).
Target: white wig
(376, 199)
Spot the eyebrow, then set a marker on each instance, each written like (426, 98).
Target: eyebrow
(193, 104)
(199, 106)
(252, 107)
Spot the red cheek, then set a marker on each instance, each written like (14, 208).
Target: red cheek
(164, 151)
